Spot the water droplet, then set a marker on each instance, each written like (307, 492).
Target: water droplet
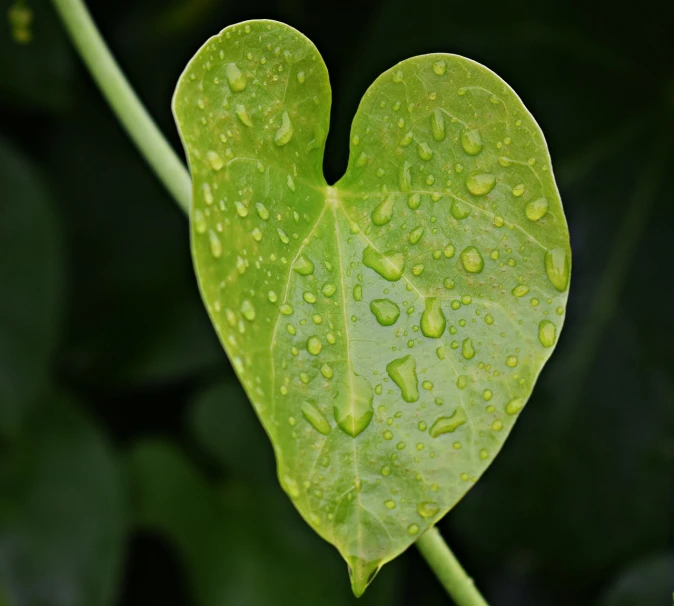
(214, 160)
(353, 412)
(329, 289)
(462, 382)
(286, 309)
(414, 201)
(487, 394)
(207, 193)
(413, 529)
(511, 361)
(536, 209)
(200, 222)
(262, 211)
(520, 290)
(448, 424)
(467, 349)
(405, 177)
(314, 345)
(427, 509)
(358, 292)
(327, 371)
(514, 406)
(301, 77)
(215, 244)
(547, 333)
(415, 234)
(440, 67)
(383, 213)
(489, 319)
(243, 116)
(448, 283)
(459, 210)
(471, 141)
(497, 425)
(557, 268)
(390, 504)
(433, 321)
(480, 184)
(388, 435)
(281, 234)
(309, 297)
(237, 81)
(304, 266)
(241, 209)
(316, 418)
(472, 260)
(438, 128)
(247, 310)
(285, 132)
(518, 190)
(403, 372)
(385, 311)
(389, 265)
(424, 151)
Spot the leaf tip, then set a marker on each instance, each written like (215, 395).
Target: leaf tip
(361, 573)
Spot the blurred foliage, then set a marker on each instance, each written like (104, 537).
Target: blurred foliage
(149, 485)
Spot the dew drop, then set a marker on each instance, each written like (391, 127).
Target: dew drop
(316, 418)
(467, 349)
(414, 201)
(557, 268)
(301, 78)
(413, 529)
(536, 209)
(309, 297)
(424, 151)
(427, 509)
(304, 266)
(389, 265)
(383, 213)
(480, 184)
(403, 372)
(385, 311)
(243, 116)
(327, 371)
(520, 290)
(358, 292)
(518, 190)
(472, 260)
(471, 141)
(215, 244)
(438, 128)
(459, 210)
(241, 209)
(207, 193)
(281, 234)
(433, 321)
(512, 361)
(237, 81)
(547, 333)
(285, 132)
(247, 310)
(439, 67)
(329, 289)
(514, 406)
(390, 504)
(314, 346)
(405, 177)
(214, 160)
(448, 424)
(415, 234)
(200, 222)
(353, 412)
(262, 211)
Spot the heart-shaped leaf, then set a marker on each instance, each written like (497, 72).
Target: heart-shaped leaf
(390, 328)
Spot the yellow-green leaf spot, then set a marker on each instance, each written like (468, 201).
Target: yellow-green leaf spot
(311, 413)
(403, 372)
(448, 424)
(472, 260)
(536, 209)
(385, 311)
(480, 184)
(547, 333)
(557, 268)
(284, 133)
(433, 321)
(471, 141)
(389, 265)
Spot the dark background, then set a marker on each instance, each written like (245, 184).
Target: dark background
(132, 469)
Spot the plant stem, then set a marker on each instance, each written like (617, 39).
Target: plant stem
(448, 570)
(124, 102)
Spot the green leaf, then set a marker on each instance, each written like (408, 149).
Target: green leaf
(387, 329)
(61, 520)
(31, 266)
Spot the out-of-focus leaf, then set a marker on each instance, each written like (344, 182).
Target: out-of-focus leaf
(61, 514)
(648, 582)
(241, 543)
(30, 286)
(37, 74)
(135, 315)
(390, 328)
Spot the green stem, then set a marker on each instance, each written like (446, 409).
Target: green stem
(448, 570)
(124, 102)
